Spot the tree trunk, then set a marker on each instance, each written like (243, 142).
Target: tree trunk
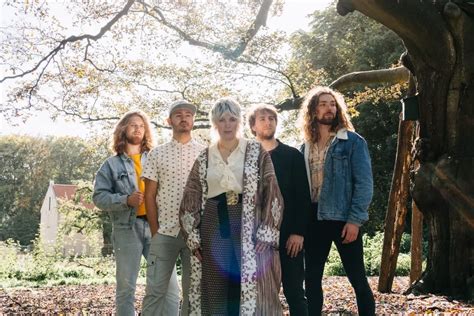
(397, 207)
(416, 246)
(442, 60)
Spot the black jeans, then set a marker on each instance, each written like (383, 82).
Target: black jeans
(318, 242)
(292, 277)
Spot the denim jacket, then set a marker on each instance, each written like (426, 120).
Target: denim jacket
(114, 182)
(347, 186)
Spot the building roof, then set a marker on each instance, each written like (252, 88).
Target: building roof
(64, 191)
(67, 191)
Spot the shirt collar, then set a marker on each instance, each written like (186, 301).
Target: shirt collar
(175, 142)
(242, 145)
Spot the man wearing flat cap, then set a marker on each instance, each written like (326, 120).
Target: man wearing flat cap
(165, 174)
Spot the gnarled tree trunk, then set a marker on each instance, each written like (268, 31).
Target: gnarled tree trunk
(441, 57)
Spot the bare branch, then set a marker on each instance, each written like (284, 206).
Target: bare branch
(391, 76)
(86, 58)
(146, 85)
(277, 71)
(72, 39)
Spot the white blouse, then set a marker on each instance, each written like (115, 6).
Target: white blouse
(223, 177)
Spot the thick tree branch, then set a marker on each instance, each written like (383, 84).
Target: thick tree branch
(290, 104)
(409, 19)
(260, 20)
(457, 195)
(389, 76)
(232, 54)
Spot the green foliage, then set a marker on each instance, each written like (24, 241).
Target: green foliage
(142, 61)
(372, 257)
(80, 216)
(28, 164)
(378, 123)
(38, 267)
(343, 44)
(338, 45)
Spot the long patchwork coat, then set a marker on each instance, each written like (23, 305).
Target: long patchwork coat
(262, 210)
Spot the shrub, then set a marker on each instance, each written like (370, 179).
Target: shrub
(372, 257)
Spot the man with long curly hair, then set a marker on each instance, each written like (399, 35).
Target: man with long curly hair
(119, 190)
(341, 186)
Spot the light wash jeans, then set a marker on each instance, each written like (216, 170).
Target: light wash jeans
(164, 251)
(129, 246)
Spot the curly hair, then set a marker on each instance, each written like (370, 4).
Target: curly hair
(307, 115)
(255, 109)
(120, 133)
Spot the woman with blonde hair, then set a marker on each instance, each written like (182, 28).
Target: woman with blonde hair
(230, 215)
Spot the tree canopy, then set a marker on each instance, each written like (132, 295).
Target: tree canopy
(28, 164)
(93, 61)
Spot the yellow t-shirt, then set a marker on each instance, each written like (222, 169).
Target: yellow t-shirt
(141, 184)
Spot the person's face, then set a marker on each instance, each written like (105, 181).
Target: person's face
(326, 109)
(227, 126)
(135, 130)
(181, 120)
(265, 125)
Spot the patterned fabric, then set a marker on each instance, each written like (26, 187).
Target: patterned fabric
(317, 156)
(262, 207)
(169, 165)
(220, 275)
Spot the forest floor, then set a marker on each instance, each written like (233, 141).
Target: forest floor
(339, 300)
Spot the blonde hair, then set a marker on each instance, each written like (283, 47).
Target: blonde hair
(307, 116)
(120, 133)
(221, 107)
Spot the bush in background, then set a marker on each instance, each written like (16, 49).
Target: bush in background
(373, 256)
(21, 266)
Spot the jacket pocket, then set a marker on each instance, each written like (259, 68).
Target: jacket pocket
(121, 218)
(340, 168)
(121, 183)
(340, 164)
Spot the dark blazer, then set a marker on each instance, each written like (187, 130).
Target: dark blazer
(292, 179)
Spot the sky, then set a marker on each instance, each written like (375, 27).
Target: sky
(294, 17)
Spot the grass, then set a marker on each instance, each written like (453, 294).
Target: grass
(36, 268)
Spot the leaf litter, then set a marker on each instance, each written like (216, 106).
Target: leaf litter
(339, 299)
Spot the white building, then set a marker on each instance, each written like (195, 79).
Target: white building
(51, 219)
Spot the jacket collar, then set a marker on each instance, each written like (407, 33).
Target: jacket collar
(342, 134)
(124, 156)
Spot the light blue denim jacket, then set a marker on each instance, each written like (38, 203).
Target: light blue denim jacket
(114, 182)
(347, 187)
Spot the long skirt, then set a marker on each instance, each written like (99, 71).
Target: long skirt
(221, 258)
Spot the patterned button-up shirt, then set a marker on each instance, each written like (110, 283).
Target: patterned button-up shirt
(169, 165)
(317, 156)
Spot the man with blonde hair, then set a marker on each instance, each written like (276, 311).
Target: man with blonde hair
(119, 190)
(291, 175)
(340, 180)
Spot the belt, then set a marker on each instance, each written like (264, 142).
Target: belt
(223, 213)
(142, 217)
